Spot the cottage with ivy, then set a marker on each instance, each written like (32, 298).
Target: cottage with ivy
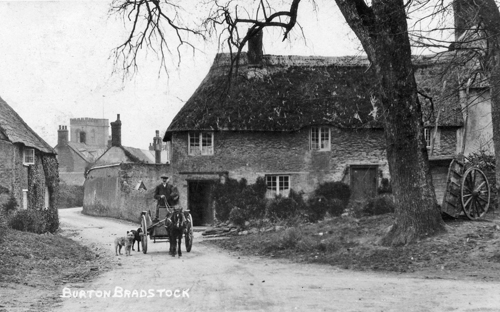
(299, 121)
(28, 165)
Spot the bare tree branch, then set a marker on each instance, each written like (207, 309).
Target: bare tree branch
(155, 25)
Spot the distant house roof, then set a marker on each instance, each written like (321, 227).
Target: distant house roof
(14, 129)
(287, 93)
(125, 154)
(88, 153)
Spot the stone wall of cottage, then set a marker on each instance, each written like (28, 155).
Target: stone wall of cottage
(251, 155)
(8, 176)
(445, 143)
(122, 191)
(15, 177)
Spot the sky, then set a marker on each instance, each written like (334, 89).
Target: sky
(56, 64)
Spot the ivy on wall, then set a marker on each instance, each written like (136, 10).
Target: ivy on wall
(44, 174)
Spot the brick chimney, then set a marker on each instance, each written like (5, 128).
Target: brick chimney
(157, 147)
(62, 135)
(255, 52)
(116, 132)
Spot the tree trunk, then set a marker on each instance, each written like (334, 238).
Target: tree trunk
(382, 30)
(489, 16)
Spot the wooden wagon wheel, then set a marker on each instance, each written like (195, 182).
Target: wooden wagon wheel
(144, 236)
(189, 233)
(475, 193)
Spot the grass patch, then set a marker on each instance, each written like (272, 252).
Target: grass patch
(352, 243)
(44, 260)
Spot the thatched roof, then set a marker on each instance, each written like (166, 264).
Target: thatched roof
(15, 130)
(287, 93)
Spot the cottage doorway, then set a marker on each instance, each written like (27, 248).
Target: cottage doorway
(363, 182)
(200, 202)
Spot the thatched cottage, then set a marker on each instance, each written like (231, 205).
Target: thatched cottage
(28, 165)
(300, 121)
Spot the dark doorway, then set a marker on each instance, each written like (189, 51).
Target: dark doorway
(363, 182)
(200, 202)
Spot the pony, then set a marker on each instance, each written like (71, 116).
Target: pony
(176, 228)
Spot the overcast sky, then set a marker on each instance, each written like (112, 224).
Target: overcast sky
(55, 65)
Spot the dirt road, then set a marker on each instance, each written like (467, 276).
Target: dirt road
(209, 279)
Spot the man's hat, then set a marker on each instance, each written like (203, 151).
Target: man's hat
(164, 176)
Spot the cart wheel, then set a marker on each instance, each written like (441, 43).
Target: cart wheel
(189, 234)
(144, 237)
(475, 193)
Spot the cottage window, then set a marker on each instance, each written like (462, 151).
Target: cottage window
(201, 143)
(29, 156)
(320, 138)
(278, 185)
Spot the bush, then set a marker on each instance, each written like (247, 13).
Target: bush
(336, 207)
(334, 190)
(225, 197)
(282, 208)
(70, 195)
(237, 216)
(29, 221)
(250, 199)
(379, 205)
(10, 206)
(317, 208)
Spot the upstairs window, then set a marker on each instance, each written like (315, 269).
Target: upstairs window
(320, 138)
(29, 156)
(201, 143)
(277, 185)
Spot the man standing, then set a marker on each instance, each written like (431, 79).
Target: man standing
(166, 195)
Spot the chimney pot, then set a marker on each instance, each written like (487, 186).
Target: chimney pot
(157, 147)
(116, 132)
(62, 136)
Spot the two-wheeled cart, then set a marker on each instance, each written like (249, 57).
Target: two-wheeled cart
(467, 191)
(158, 231)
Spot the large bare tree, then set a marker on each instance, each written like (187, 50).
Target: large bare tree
(383, 32)
(381, 27)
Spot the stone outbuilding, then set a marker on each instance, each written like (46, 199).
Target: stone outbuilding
(122, 180)
(28, 165)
